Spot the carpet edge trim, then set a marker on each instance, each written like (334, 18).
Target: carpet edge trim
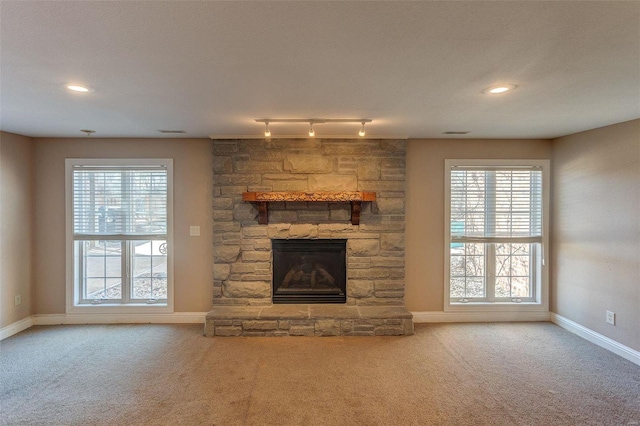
(105, 318)
(438, 316)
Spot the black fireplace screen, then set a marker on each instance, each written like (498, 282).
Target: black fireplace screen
(309, 271)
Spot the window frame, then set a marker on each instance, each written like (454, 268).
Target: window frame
(540, 300)
(74, 291)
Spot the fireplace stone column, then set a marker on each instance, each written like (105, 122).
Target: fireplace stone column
(242, 263)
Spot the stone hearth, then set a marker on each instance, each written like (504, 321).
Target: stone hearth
(308, 320)
(243, 246)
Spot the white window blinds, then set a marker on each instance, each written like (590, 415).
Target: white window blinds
(120, 201)
(489, 204)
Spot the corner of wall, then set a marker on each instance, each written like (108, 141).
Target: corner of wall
(16, 236)
(595, 243)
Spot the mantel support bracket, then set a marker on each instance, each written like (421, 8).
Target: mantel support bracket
(356, 208)
(263, 212)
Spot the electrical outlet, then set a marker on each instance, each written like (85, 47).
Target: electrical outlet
(611, 318)
(194, 231)
(17, 300)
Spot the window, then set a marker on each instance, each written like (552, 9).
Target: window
(119, 233)
(496, 232)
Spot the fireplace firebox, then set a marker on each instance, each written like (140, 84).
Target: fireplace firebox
(309, 271)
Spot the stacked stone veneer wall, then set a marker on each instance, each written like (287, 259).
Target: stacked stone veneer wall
(242, 247)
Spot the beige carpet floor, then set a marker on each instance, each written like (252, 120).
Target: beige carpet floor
(446, 374)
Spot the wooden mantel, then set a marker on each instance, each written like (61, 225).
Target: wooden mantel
(354, 197)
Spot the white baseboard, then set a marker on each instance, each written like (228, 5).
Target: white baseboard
(597, 338)
(102, 318)
(441, 316)
(15, 328)
(55, 319)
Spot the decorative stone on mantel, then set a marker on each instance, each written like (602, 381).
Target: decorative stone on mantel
(354, 197)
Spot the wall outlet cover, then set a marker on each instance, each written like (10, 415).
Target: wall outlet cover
(611, 318)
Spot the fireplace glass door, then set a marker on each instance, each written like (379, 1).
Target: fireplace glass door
(309, 271)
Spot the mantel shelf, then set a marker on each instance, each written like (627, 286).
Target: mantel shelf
(354, 197)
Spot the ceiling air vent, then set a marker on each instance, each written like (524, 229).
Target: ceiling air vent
(455, 133)
(172, 132)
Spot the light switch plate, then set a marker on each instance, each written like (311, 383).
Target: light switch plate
(194, 231)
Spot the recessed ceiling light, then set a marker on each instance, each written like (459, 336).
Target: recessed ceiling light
(78, 88)
(495, 90)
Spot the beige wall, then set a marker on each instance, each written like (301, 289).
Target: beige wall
(424, 261)
(595, 251)
(193, 190)
(596, 230)
(16, 220)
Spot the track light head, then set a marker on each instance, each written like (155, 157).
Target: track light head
(312, 121)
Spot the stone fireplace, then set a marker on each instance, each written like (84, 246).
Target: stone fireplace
(247, 237)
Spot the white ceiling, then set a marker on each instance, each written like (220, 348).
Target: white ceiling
(416, 68)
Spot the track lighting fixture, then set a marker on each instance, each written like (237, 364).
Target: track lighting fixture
(312, 121)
